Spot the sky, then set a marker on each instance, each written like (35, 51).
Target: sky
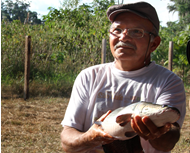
(41, 7)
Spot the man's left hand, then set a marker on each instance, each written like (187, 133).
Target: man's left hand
(145, 128)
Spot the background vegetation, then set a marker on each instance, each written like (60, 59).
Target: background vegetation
(63, 43)
(69, 40)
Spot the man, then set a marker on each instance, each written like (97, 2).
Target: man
(132, 77)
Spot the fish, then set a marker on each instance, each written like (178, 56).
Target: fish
(118, 122)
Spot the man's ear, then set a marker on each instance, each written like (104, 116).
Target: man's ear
(155, 43)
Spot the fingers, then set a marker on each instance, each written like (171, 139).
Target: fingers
(165, 128)
(104, 116)
(98, 133)
(145, 128)
(153, 129)
(139, 128)
(100, 136)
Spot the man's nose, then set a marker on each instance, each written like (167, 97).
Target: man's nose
(124, 35)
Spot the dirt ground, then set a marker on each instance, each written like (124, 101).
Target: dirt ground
(33, 126)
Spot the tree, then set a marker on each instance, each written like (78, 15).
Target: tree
(18, 11)
(183, 7)
(4, 12)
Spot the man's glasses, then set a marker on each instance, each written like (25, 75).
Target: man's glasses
(132, 32)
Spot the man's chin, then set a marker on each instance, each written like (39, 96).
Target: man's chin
(123, 58)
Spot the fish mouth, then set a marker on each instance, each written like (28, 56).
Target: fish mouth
(173, 109)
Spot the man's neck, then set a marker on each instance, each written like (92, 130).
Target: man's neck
(128, 66)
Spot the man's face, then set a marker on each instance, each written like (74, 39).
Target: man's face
(136, 47)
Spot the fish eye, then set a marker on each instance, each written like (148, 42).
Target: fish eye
(164, 106)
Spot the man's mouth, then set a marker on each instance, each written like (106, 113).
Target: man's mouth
(125, 45)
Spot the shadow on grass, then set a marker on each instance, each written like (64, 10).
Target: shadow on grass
(16, 90)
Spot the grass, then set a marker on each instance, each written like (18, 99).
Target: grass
(55, 88)
(33, 126)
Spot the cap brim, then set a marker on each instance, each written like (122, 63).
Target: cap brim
(113, 15)
(188, 51)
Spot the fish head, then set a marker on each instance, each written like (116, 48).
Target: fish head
(148, 109)
(159, 114)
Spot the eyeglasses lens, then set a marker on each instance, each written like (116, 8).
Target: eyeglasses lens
(134, 33)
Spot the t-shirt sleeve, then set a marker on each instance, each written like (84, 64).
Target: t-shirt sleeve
(76, 110)
(173, 94)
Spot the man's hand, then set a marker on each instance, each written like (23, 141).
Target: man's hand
(76, 141)
(161, 138)
(97, 135)
(145, 128)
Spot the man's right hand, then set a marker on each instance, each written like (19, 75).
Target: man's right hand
(76, 141)
(97, 135)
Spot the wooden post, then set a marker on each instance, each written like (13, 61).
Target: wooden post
(103, 58)
(26, 21)
(27, 66)
(170, 55)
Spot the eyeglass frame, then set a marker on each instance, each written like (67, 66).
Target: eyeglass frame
(144, 31)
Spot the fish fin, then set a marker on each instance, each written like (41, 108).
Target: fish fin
(130, 134)
(122, 120)
(98, 123)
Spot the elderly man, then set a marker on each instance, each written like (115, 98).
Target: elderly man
(132, 77)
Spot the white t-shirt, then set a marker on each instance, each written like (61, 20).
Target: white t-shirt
(103, 87)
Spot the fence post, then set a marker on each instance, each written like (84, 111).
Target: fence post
(170, 55)
(103, 58)
(27, 66)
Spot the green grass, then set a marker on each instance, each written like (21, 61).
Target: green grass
(55, 86)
